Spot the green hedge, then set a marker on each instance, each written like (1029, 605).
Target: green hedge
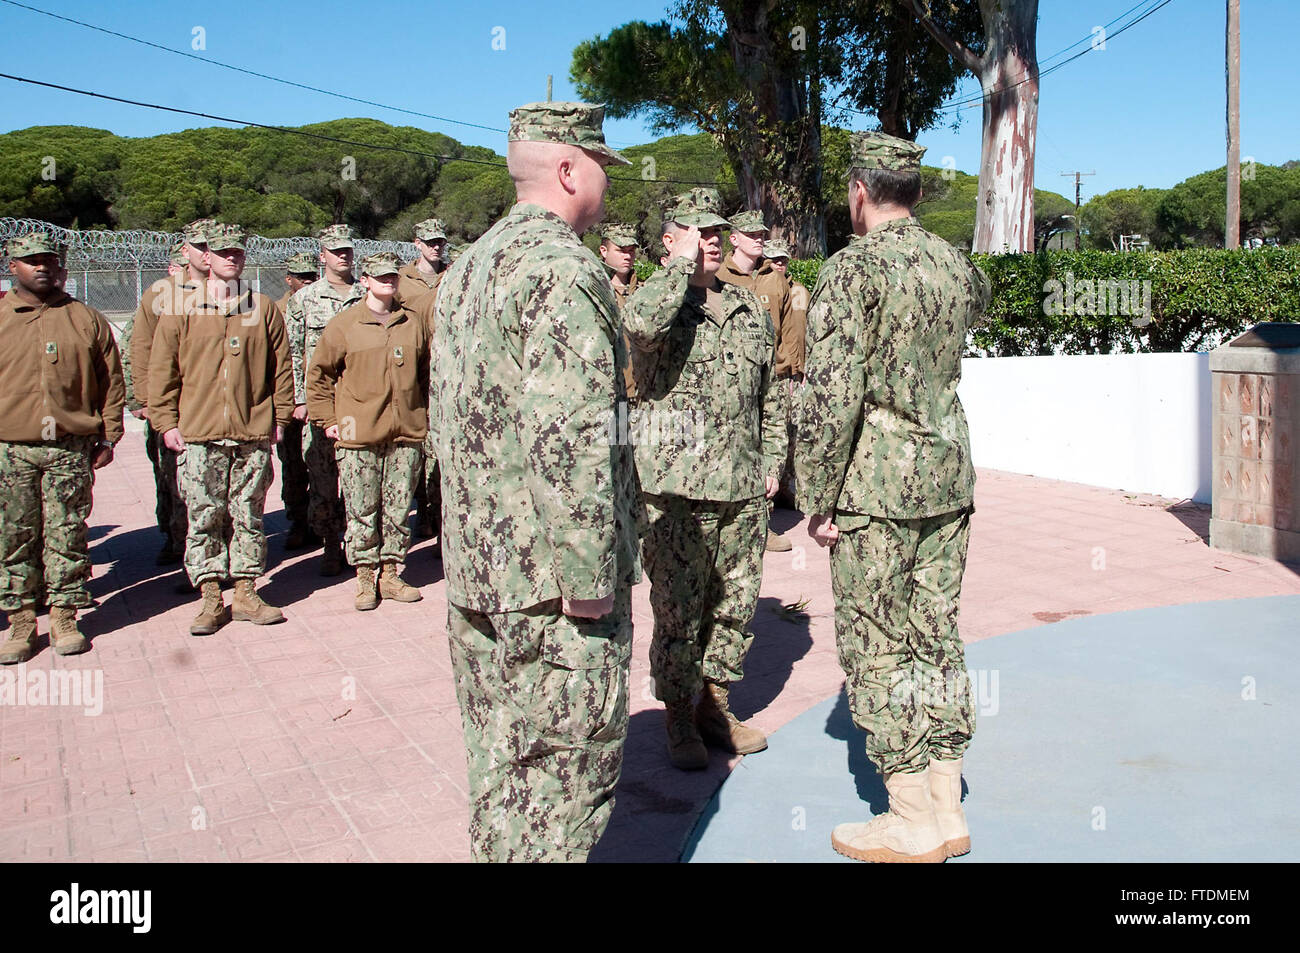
(1198, 299)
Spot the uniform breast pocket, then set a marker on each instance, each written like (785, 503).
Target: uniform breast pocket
(65, 371)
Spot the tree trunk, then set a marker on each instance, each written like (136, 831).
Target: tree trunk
(777, 149)
(1008, 74)
(1004, 218)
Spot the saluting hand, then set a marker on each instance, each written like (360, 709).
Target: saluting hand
(686, 244)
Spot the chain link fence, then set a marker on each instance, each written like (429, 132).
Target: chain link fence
(109, 271)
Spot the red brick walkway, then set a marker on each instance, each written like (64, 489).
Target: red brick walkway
(336, 735)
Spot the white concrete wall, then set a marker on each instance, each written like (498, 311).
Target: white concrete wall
(1136, 422)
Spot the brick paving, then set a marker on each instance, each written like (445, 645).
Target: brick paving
(336, 736)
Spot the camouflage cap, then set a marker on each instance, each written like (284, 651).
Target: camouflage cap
(225, 236)
(876, 150)
(334, 237)
(748, 222)
(379, 264)
(302, 264)
(196, 231)
(699, 207)
(33, 243)
(575, 124)
(177, 255)
(775, 248)
(431, 229)
(620, 235)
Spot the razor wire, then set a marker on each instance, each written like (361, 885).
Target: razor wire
(109, 270)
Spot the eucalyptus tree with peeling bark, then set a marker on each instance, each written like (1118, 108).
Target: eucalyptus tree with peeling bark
(1007, 68)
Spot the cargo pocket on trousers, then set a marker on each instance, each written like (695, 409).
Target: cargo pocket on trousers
(581, 694)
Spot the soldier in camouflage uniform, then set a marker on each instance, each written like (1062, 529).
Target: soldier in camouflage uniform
(789, 359)
(539, 538)
(221, 392)
(416, 281)
(745, 266)
(60, 416)
(309, 311)
(137, 347)
(618, 245)
(301, 271)
(368, 387)
(709, 435)
(886, 476)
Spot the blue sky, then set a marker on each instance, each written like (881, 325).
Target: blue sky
(1147, 110)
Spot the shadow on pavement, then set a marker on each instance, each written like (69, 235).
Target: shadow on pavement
(871, 787)
(781, 638)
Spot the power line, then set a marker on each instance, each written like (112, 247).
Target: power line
(303, 132)
(249, 72)
(979, 100)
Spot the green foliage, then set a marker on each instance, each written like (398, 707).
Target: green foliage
(1192, 212)
(1121, 212)
(62, 174)
(1198, 299)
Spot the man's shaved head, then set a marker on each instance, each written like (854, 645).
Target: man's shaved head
(565, 179)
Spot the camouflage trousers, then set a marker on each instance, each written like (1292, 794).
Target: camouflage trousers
(544, 704)
(293, 474)
(45, 495)
(377, 484)
(325, 515)
(705, 563)
(428, 491)
(170, 507)
(897, 586)
(221, 478)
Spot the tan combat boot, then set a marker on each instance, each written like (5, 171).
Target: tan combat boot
(248, 606)
(214, 613)
(685, 748)
(720, 728)
(392, 587)
(777, 543)
(64, 634)
(908, 833)
(331, 560)
(945, 792)
(21, 643)
(367, 597)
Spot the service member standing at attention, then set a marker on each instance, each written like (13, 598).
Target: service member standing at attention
(703, 353)
(301, 271)
(539, 544)
(221, 392)
(60, 416)
(789, 359)
(618, 247)
(746, 267)
(885, 475)
(417, 288)
(166, 294)
(309, 311)
(421, 276)
(368, 387)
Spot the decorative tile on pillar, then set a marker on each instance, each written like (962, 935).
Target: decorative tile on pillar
(1229, 434)
(1228, 394)
(1249, 438)
(1248, 394)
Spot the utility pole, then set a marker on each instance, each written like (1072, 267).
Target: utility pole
(1232, 227)
(548, 87)
(1077, 176)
